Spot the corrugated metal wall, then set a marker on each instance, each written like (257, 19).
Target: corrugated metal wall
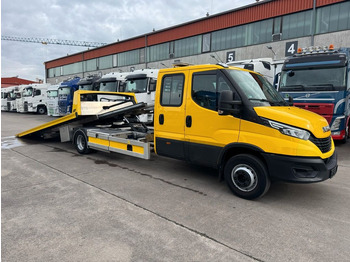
(252, 13)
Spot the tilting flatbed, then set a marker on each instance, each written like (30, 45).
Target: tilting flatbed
(101, 120)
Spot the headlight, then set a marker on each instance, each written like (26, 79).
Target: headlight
(288, 130)
(337, 122)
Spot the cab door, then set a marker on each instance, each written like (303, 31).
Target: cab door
(169, 118)
(207, 132)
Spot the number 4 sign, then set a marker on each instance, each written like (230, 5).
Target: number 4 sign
(291, 48)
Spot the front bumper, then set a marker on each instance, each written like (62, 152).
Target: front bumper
(301, 169)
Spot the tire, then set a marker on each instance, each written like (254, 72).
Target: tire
(246, 176)
(343, 141)
(81, 142)
(41, 110)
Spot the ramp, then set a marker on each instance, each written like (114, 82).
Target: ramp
(89, 108)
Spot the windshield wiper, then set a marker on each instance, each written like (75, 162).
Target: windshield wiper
(268, 101)
(293, 87)
(323, 86)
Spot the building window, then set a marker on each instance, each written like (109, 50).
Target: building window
(50, 72)
(333, 18)
(105, 62)
(296, 25)
(188, 46)
(115, 60)
(129, 58)
(71, 69)
(172, 90)
(206, 43)
(142, 55)
(158, 52)
(90, 65)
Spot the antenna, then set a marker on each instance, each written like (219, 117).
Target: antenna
(215, 57)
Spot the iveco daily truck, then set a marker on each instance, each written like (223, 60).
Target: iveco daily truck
(214, 115)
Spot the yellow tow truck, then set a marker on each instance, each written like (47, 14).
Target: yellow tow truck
(214, 115)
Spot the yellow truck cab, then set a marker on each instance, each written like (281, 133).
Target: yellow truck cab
(234, 120)
(214, 115)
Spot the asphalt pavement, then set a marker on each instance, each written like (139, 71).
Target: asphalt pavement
(58, 205)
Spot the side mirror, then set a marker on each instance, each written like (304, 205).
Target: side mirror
(276, 80)
(152, 85)
(227, 104)
(122, 86)
(290, 101)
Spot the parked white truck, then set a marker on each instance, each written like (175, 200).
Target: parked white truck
(111, 82)
(143, 84)
(34, 99)
(52, 100)
(5, 91)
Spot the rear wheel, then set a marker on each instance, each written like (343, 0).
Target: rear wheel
(246, 176)
(81, 142)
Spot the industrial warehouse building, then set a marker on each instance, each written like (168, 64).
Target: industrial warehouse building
(238, 34)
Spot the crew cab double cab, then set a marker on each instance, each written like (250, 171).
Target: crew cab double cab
(223, 117)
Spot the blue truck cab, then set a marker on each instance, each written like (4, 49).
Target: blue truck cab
(65, 95)
(317, 79)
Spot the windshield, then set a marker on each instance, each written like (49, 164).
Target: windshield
(315, 79)
(27, 92)
(64, 91)
(52, 93)
(12, 96)
(256, 88)
(136, 85)
(108, 86)
(86, 87)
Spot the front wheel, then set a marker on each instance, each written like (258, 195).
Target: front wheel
(41, 110)
(81, 142)
(343, 141)
(246, 176)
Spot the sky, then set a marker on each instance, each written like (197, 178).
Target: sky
(103, 21)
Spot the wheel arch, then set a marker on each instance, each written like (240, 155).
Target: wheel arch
(75, 130)
(234, 149)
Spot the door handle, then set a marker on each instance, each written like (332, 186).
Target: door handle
(161, 119)
(188, 121)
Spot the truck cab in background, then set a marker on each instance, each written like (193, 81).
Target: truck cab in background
(111, 82)
(11, 99)
(262, 66)
(52, 100)
(89, 83)
(143, 84)
(33, 99)
(65, 95)
(317, 79)
(4, 94)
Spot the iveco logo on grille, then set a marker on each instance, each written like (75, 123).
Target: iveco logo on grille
(326, 129)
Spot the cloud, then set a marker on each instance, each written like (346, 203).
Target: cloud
(87, 20)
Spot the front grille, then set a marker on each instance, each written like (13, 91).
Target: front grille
(324, 144)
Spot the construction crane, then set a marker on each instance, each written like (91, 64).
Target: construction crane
(47, 41)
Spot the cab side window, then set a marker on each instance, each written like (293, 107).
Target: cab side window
(172, 90)
(206, 89)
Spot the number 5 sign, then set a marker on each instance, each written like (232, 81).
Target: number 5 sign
(230, 56)
(291, 48)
